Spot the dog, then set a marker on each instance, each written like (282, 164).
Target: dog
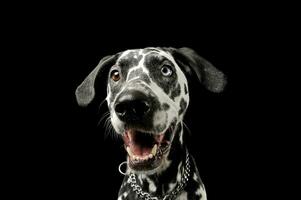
(147, 97)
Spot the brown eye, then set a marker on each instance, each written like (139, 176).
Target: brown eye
(115, 76)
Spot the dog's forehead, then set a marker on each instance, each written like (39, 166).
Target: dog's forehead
(132, 57)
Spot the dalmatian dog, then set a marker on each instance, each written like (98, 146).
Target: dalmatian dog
(147, 96)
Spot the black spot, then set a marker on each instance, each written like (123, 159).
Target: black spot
(144, 78)
(153, 63)
(128, 61)
(185, 89)
(183, 105)
(165, 106)
(176, 92)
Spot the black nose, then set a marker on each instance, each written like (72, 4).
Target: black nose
(133, 105)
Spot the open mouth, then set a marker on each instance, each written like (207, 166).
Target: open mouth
(145, 150)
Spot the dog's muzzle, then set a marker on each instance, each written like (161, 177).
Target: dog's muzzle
(143, 144)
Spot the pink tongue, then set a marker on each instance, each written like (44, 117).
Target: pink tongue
(140, 151)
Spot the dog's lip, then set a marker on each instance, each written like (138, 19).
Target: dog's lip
(144, 155)
(141, 148)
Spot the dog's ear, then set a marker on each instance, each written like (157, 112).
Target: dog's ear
(85, 92)
(213, 79)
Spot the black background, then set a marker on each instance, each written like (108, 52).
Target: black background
(64, 153)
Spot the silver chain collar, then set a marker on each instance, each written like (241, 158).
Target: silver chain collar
(171, 195)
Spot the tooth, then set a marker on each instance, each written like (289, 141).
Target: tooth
(150, 156)
(129, 151)
(130, 136)
(154, 150)
(161, 137)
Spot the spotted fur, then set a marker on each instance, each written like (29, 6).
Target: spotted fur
(140, 70)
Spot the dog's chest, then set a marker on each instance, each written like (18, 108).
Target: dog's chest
(194, 189)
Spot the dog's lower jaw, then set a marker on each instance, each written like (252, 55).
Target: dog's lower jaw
(158, 170)
(163, 179)
(162, 159)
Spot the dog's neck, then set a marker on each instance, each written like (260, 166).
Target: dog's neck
(166, 179)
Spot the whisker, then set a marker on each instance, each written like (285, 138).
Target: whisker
(106, 126)
(103, 117)
(185, 126)
(101, 103)
(109, 130)
(107, 122)
(113, 132)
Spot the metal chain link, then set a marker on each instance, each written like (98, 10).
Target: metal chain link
(180, 186)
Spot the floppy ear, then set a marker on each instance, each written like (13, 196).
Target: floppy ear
(213, 79)
(85, 92)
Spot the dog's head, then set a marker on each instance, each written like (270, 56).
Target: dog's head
(147, 96)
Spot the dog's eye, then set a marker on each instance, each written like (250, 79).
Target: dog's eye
(115, 76)
(166, 70)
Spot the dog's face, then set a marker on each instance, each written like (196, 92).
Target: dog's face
(146, 99)
(147, 96)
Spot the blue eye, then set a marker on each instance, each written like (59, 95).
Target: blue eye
(166, 70)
